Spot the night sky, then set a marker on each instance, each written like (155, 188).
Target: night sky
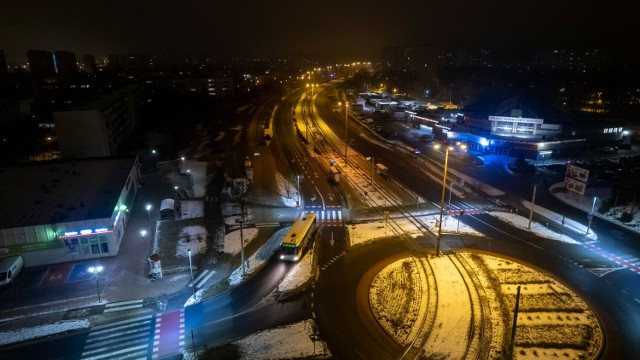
(349, 29)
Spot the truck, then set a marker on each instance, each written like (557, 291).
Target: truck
(382, 170)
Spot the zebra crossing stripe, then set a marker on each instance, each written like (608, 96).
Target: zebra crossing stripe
(206, 278)
(123, 305)
(125, 339)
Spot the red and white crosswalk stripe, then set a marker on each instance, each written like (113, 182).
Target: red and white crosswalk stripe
(631, 265)
(169, 334)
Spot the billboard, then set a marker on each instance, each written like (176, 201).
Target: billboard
(575, 185)
(577, 173)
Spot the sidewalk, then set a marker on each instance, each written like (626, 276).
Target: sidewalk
(586, 202)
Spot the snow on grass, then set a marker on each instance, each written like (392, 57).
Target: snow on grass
(298, 276)
(295, 341)
(287, 190)
(537, 228)
(59, 327)
(232, 240)
(192, 209)
(278, 343)
(192, 238)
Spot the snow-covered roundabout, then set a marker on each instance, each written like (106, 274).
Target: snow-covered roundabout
(461, 306)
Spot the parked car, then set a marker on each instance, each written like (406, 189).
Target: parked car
(9, 269)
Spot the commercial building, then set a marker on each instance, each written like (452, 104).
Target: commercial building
(517, 127)
(63, 211)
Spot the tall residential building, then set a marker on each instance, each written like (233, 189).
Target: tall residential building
(99, 128)
(89, 63)
(3, 62)
(420, 60)
(41, 63)
(65, 63)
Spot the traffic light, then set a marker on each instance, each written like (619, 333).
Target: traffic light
(461, 212)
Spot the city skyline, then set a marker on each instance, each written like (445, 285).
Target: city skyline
(346, 30)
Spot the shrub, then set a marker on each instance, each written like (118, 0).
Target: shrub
(625, 217)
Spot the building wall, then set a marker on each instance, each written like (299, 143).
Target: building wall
(61, 242)
(65, 63)
(82, 134)
(99, 129)
(40, 63)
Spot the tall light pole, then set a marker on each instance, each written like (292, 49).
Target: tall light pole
(590, 216)
(143, 233)
(96, 270)
(181, 163)
(148, 208)
(373, 186)
(533, 202)
(193, 286)
(346, 131)
(298, 202)
(444, 190)
(176, 189)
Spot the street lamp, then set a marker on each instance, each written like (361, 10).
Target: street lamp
(181, 163)
(298, 202)
(373, 186)
(176, 189)
(96, 270)
(193, 286)
(143, 233)
(346, 131)
(590, 216)
(148, 208)
(444, 190)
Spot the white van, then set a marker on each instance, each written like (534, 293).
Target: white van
(9, 268)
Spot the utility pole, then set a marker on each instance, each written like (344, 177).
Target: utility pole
(590, 216)
(346, 131)
(444, 189)
(513, 327)
(533, 200)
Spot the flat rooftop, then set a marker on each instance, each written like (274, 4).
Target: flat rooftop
(56, 192)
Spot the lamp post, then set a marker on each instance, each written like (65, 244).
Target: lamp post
(96, 270)
(590, 216)
(346, 131)
(148, 208)
(193, 286)
(373, 186)
(444, 190)
(176, 189)
(298, 202)
(181, 163)
(143, 233)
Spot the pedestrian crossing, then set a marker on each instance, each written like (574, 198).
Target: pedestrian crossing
(329, 217)
(626, 261)
(124, 339)
(202, 279)
(123, 305)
